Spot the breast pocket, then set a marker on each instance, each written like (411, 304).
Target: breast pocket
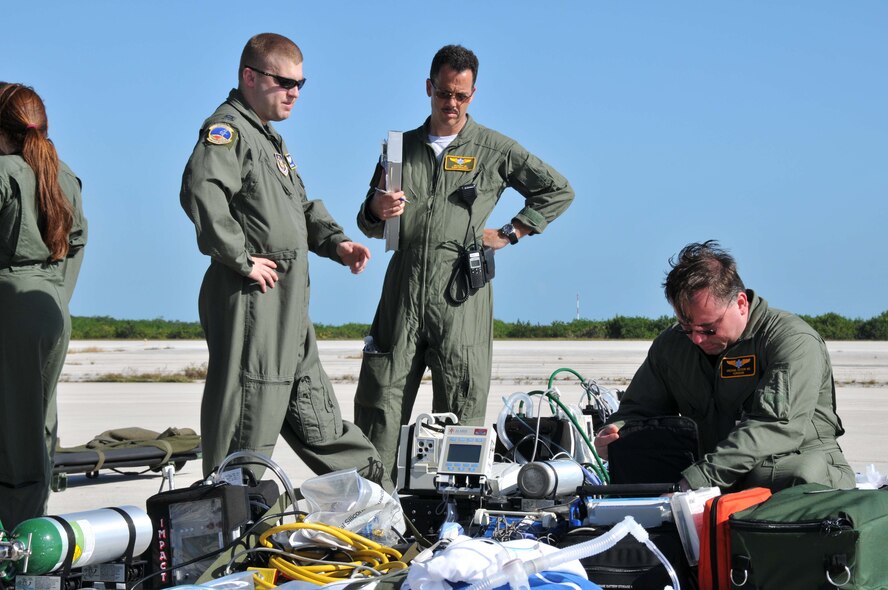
(772, 400)
(277, 175)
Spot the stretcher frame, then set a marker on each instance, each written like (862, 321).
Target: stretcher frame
(91, 462)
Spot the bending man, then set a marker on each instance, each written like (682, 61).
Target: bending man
(757, 381)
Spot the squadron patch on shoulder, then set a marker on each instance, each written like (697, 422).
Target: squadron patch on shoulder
(459, 163)
(282, 165)
(221, 134)
(738, 366)
(290, 161)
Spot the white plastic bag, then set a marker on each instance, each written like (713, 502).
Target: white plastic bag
(473, 560)
(346, 500)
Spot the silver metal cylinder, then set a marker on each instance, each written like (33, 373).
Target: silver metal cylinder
(99, 535)
(544, 479)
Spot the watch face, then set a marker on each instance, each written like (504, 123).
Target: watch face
(509, 231)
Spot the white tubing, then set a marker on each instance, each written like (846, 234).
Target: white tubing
(578, 551)
(508, 405)
(656, 551)
(262, 460)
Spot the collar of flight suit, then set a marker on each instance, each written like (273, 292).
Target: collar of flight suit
(758, 309)
(236, 99)
(465, 135)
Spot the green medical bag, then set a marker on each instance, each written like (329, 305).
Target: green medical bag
(812, 537)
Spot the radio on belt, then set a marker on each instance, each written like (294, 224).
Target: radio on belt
(466, 459)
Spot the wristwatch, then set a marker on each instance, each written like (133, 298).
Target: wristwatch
(508, 231)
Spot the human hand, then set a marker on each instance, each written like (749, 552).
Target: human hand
(385, 205)
(608, 434)
(494, 239)
(263, 273)
(354, 255)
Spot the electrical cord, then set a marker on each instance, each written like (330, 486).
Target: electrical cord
(259, 460)
(230, 545)
(355, 566)
(365, 555)
(537, 433)
(599, 469)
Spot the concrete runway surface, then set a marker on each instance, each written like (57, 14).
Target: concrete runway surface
(87, 408)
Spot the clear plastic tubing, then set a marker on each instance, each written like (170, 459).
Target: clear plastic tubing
(262, 460)
(509, 408)
(509, 575)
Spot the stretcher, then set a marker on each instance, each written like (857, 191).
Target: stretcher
(127, 448)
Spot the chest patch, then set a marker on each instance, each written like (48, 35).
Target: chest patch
(282, 164)
(738, 366)
(459, 163)
(291, 162)
(221, 134)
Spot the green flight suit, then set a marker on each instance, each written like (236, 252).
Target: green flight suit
(417, 325)
(264, 378)
(36, 328)
(765, 408)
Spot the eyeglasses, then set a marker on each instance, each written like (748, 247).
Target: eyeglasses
(460, 97)
(706, 331)
(285, 83)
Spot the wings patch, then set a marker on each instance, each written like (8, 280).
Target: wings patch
(738, 366)
(459, 163)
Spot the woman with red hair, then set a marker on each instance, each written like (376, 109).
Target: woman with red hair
(42, 235)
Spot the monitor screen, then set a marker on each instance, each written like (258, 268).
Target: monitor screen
(463, 453)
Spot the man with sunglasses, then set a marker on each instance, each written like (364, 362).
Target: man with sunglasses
(453, 174)
(248, 204)
(757, 382)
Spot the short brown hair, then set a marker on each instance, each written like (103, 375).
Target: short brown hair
(260, 46)
(457, 58)
(701, 266)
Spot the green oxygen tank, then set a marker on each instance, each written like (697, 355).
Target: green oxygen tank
(10, 551)
(99, 536)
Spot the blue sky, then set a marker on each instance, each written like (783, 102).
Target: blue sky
(761, 124)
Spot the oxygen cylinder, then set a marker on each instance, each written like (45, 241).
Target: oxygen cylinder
(99, 536)
(558, 477)
(10, 550)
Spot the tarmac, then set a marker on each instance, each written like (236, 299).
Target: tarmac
(88, 407)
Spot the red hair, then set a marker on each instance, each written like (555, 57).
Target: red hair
(23, 122)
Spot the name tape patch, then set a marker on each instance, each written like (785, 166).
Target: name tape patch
(459, 163)
(738, 366)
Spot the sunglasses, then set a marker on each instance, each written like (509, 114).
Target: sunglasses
(285, 83)
(681, 329)
(460, 97)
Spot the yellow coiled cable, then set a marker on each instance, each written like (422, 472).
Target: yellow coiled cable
(367, 554)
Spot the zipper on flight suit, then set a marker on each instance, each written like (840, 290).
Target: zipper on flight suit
(426, 231)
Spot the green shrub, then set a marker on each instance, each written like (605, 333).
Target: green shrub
(106, 328)
(636, 328)
(875, 328)
(832, 326)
